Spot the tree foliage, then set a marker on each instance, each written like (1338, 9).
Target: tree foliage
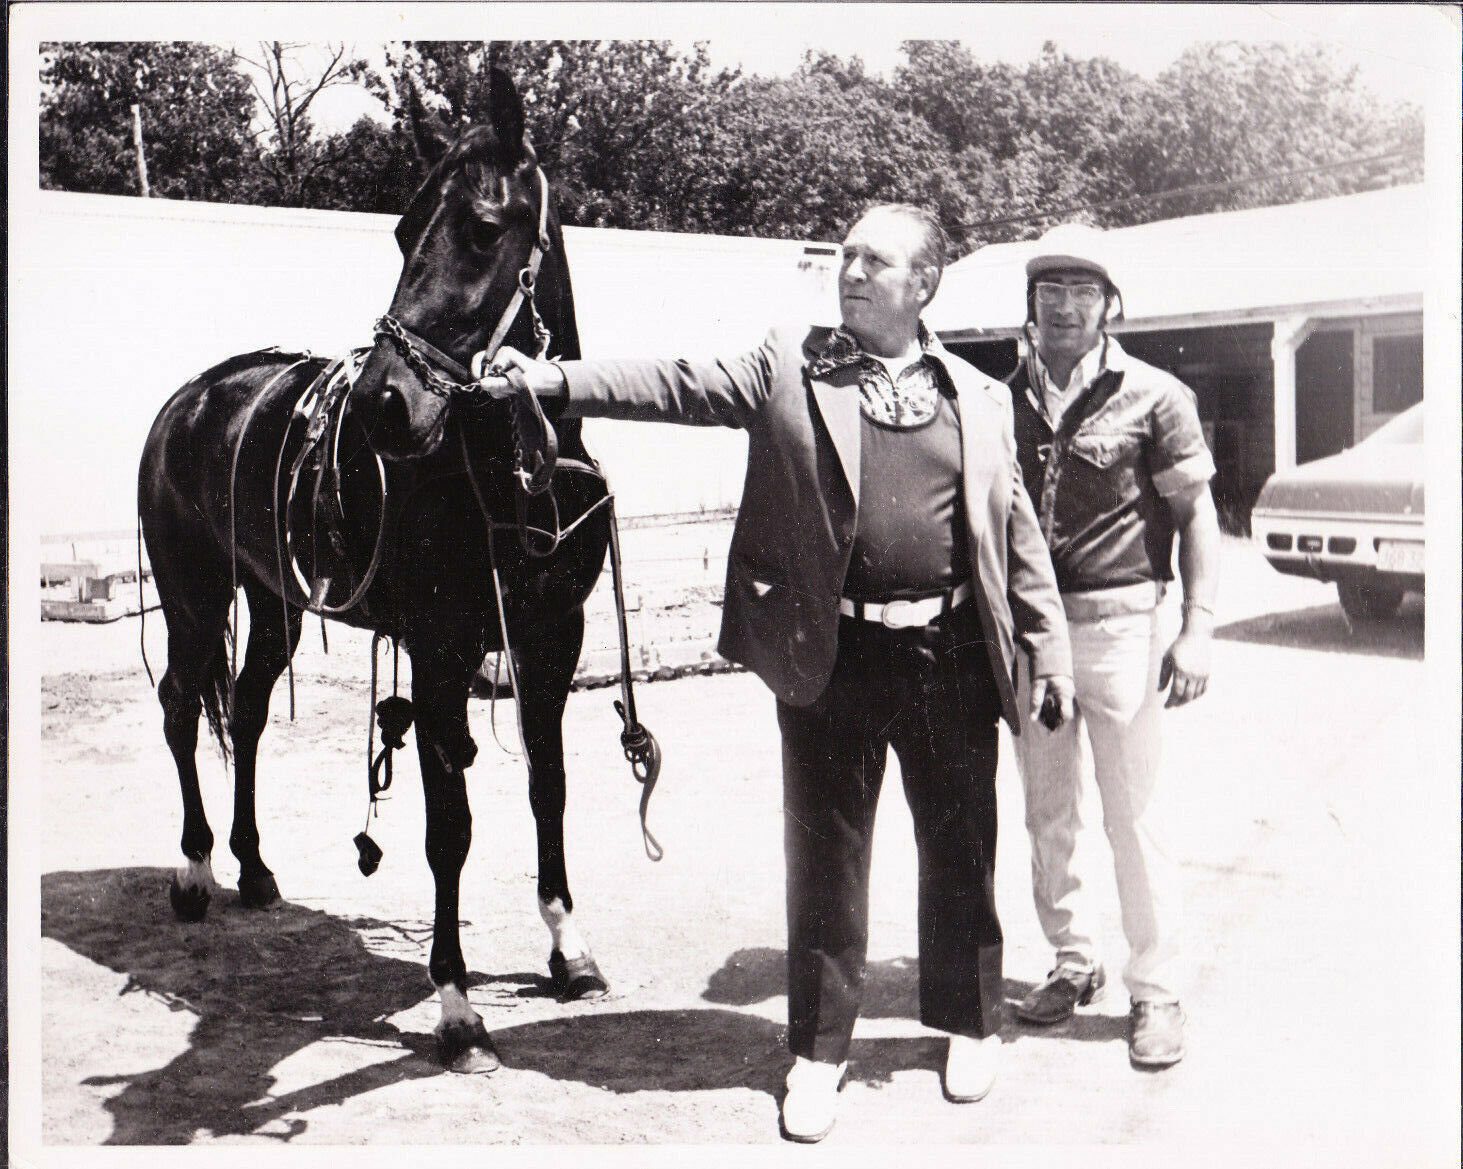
(640, 134)
(613, 122)
(195, 112)
(1228, 111)
(296, 164)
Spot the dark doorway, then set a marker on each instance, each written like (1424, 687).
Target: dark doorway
(1324, 396)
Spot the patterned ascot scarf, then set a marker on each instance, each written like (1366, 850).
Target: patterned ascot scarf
(906, 403)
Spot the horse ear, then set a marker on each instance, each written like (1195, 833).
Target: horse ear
(431, 144)
(507, 114)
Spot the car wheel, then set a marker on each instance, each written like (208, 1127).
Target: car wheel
(1369, 602)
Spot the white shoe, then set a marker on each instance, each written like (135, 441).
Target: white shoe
(970, 1067)
(812, 1099)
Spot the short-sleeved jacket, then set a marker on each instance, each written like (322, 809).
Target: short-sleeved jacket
(794, 534)
(1130, 438)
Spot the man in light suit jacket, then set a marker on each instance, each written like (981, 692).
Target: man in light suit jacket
(885, 563)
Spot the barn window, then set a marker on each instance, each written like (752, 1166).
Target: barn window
(1396, 372)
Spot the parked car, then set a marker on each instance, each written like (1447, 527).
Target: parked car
(1355, 518)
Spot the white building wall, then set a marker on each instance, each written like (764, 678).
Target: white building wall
(115, 302)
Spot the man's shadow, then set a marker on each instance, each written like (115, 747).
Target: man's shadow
(891, 991)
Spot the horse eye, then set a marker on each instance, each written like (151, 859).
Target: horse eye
(484, 235)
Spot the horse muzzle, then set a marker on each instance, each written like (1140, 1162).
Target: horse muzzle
(403, 419)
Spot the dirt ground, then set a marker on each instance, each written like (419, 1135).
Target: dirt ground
(1316, 817)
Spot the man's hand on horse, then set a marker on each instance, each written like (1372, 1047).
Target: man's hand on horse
(544, 378)
(1053, 701)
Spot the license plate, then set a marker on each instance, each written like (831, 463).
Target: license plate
(1400, 556)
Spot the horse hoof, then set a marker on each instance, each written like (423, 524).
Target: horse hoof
(258, 891)
(189, 904)
(465, 1048)
(574, 979)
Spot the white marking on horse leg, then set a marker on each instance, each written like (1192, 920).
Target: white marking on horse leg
(561, 925)
(455, 1009)
(198, 875)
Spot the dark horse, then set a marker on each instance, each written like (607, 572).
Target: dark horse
(405, 546)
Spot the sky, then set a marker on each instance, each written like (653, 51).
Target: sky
(1392, 45)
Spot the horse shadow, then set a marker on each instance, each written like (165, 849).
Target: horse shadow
(266, 986)
(263, 987)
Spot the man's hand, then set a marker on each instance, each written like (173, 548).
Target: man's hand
(544, 378)
(1053, 701)
(1186, 664)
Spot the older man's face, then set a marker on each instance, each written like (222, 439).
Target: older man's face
(880, 290)
(1067, 325)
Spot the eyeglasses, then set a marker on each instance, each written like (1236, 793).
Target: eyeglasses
(1082, 295)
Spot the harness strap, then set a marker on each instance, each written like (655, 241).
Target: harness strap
(640, 747)
(233, 542)
(535, 445)
(326, 418)
(527, 276)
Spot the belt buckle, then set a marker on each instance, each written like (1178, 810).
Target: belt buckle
(890, 615)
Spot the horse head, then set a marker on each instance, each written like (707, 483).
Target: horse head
(467, 240)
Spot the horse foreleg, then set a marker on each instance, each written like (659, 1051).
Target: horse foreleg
(272, 641)
(445, 751)
(544, 678)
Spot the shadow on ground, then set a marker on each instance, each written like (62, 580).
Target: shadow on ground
(1327, 628)
(891, 991)
(239, 974)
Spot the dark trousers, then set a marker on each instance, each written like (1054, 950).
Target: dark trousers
(928, 693)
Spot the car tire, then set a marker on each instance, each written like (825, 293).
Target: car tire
(1369, 602)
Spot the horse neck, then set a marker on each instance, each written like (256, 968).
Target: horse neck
(556, 290)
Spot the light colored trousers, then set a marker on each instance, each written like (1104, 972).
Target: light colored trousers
(1115, 664)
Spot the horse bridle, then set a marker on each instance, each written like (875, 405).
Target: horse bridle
(424, 359)
(535, 446)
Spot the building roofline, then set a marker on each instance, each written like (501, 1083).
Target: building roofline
(1353, 307)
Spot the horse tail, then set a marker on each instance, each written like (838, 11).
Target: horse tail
(218, 693)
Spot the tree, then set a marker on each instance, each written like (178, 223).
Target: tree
(1228, 110)
(374, 168)
(1068, 138)
(616, 124)
(800, 157)
(195, 111)
(295, 163)
(1025, 139)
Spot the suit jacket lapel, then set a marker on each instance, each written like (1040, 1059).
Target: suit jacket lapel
(979, 421)
(839, 406)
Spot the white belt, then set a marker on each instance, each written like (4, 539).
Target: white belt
(906, 614)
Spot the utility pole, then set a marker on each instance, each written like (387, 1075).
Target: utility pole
(137, 147)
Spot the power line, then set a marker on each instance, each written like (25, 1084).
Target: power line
(1199, 189)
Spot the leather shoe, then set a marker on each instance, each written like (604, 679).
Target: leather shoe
(1156, 1035)
(1066, 988)
(970, 1068)
(809, 1108)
